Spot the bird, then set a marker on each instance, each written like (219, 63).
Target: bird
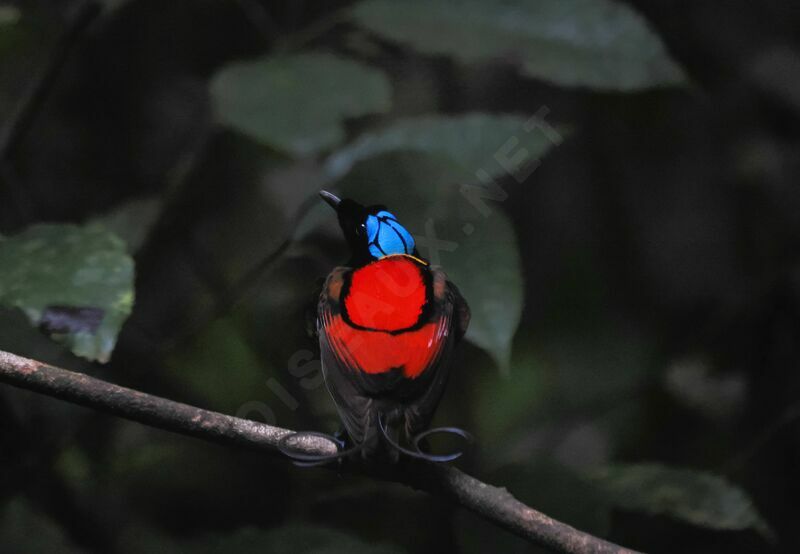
(387, 322)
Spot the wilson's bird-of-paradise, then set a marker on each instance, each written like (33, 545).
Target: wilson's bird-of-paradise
(387, 323)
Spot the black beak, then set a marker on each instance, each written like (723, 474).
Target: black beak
(331, 199)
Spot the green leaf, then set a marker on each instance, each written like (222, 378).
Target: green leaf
(597, 366)
(133, 220)
(696, 497)
(23, 530)
(601, 44)
(486, 267)
(478, 250)
(509, 402)
(297, 103)
(76, 282)
(495, 144)
(296, 539)
(293, 538)
(9, 15)
(220, 367)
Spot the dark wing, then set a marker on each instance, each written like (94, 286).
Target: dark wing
(311, 308)
(453, 316)
(355, 409)
(461, 310)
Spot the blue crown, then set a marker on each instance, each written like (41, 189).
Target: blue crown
(386, 236)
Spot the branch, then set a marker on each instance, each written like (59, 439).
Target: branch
(492, 503)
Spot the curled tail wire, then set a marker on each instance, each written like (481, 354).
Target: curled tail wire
(415, 442)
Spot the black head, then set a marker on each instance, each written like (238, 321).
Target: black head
(371, 232)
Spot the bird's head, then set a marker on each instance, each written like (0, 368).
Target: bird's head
(372, 232)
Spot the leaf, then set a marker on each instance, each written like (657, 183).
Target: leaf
(220, 367)
(9, 15)
(76, 282)
(495, 144)
(488, 271)
(184, 474)
(696, 497)
(597, 366)
(507, 403)
(133, 220)
(297, 103)
(26, 531)
(296, 539)
(479, 252)
(600, 44)
(289, 539)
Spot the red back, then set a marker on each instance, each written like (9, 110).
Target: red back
(387, 295)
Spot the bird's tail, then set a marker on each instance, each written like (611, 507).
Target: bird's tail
(416, 442)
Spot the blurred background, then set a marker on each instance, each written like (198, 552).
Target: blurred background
(612, 185)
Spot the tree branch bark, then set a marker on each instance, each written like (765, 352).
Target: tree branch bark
(495, 504)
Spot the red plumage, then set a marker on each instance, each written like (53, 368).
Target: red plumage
(381, 327)
(387, 294)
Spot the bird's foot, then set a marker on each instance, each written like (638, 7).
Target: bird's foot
(301, 459)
